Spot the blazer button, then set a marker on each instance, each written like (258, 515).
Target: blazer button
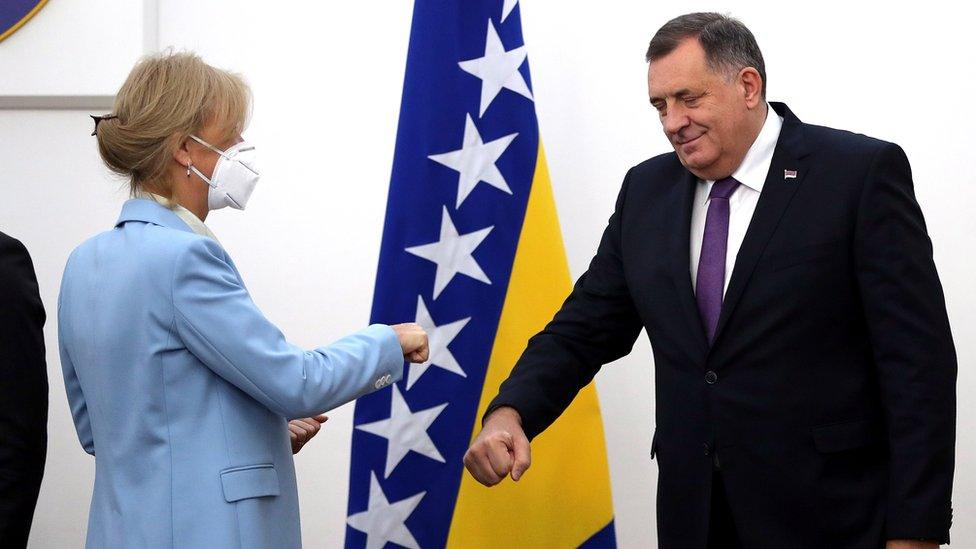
(711, 377)
(708, 449)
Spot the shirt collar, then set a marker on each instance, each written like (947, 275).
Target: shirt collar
(755, 166)
(188, 217)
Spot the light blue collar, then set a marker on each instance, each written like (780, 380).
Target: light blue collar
(149, 211)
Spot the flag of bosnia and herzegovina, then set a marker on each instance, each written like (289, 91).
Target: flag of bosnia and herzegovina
(471, 251)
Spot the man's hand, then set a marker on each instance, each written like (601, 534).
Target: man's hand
(500, 448)
(302, 430)
(911, 544)
(413, 341)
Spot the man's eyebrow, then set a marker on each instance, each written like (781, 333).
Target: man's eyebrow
(680, 94)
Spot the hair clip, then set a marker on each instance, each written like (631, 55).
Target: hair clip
(98, 119)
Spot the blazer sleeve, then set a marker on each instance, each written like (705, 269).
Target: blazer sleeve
(222, 327)
(913, 350)
(76, 398)
(23, 391)
(598, 323)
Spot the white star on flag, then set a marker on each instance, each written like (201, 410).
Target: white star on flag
(383, 521)
(405, 431)
(507, 8)
(452, 254)
(497, 69)
(438, 338)
(475, 161)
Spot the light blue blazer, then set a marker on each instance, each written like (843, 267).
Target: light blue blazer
(181, 389)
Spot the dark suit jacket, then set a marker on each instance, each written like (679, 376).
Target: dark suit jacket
(23, 393)
(828, 396)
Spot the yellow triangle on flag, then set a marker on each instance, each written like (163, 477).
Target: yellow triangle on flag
(564, 498)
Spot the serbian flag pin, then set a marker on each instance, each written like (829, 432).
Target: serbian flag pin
(789, 174)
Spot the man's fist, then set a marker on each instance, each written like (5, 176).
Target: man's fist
(500, 449)
(413, 341)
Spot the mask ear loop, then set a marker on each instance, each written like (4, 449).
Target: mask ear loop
(207, 180)
(189, 165)
(211, 147)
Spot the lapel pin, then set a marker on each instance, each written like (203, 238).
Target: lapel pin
(789, 174)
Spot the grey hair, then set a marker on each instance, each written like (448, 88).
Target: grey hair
(729, 45)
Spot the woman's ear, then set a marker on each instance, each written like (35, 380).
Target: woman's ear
(181, 153)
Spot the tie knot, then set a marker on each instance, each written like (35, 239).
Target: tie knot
(723, 188)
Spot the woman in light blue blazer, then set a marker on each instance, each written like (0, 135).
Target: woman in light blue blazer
(178, 385)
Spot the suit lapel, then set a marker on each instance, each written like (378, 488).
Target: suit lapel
(679, 227)
(777, 192)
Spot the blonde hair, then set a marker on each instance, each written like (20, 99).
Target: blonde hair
(167, 97)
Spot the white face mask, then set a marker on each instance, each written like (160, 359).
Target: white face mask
(234, 177)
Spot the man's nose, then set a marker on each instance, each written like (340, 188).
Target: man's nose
(674, 120)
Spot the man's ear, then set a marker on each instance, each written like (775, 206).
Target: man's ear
(751, 85)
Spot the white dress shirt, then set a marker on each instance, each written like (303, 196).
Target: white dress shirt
(751, 173)
(186, 215)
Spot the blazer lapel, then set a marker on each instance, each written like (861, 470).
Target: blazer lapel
(679, 227)
(778, 191)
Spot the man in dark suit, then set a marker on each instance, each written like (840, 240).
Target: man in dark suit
(804, 366)
(23, 393)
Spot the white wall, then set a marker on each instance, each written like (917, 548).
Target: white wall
(327, 78)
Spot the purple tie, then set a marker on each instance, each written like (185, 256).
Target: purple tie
(710, 284)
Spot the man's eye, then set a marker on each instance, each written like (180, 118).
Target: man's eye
(692, 101)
